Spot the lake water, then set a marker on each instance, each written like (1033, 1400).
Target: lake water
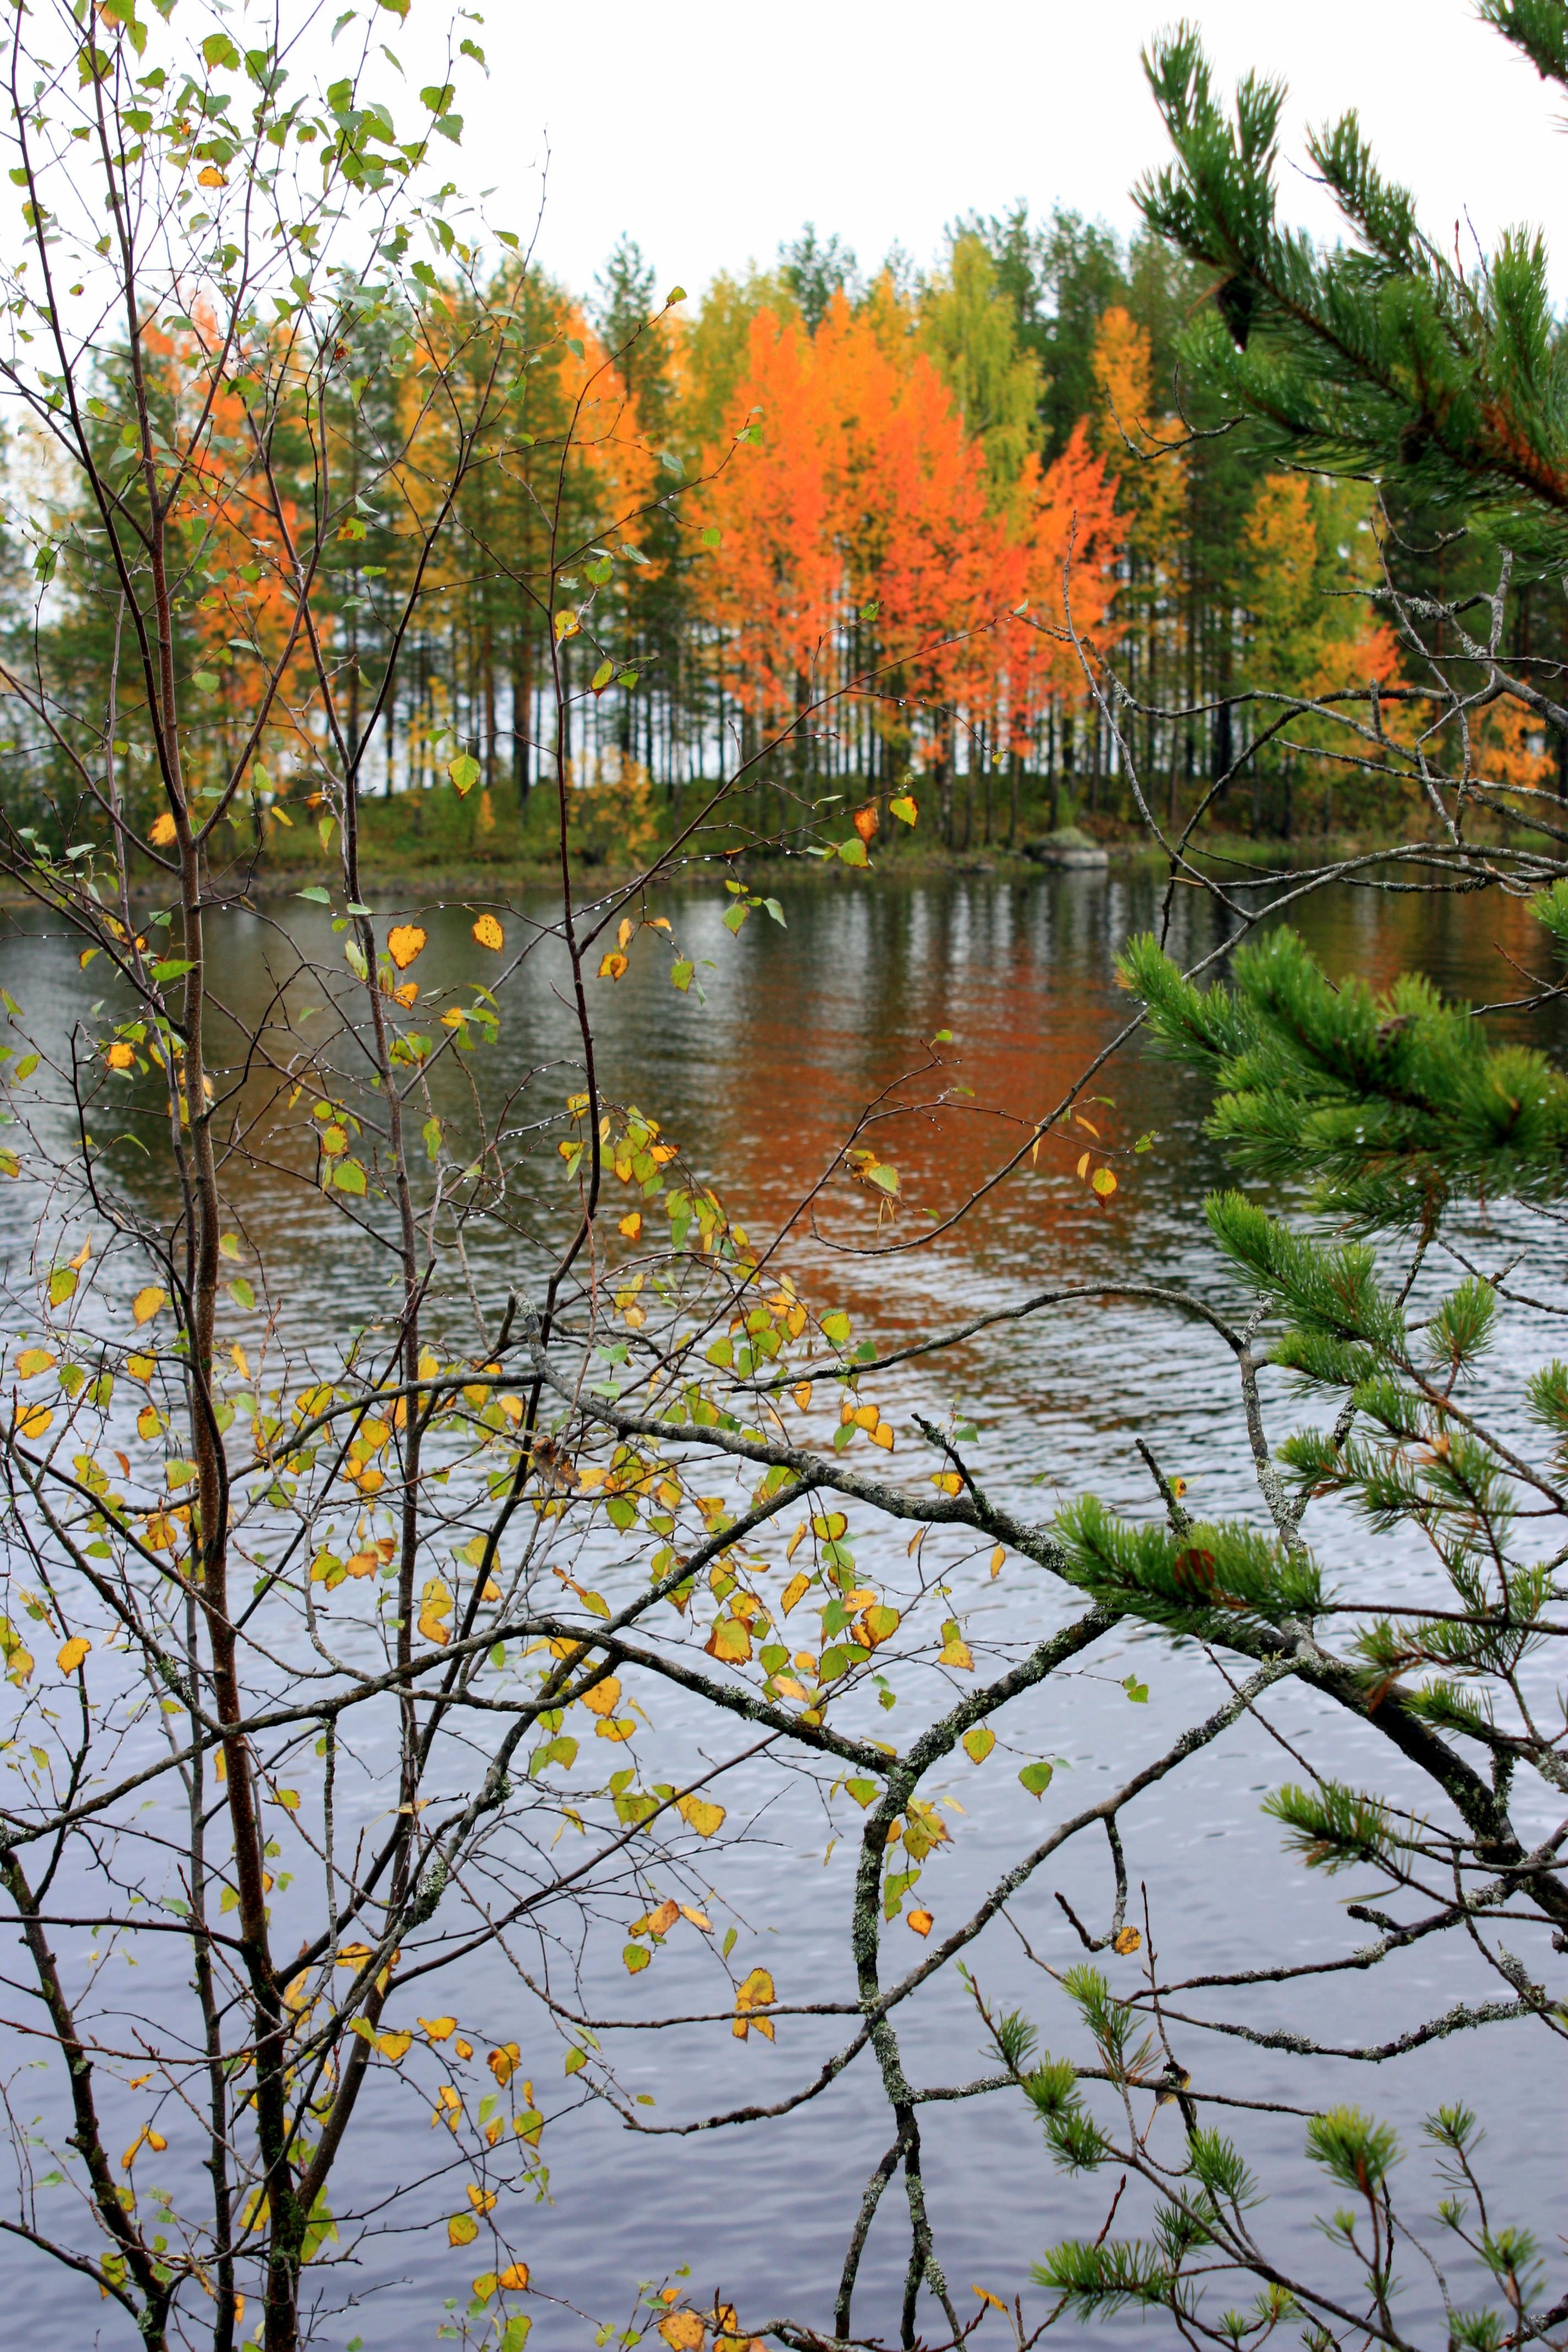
(802, 1025)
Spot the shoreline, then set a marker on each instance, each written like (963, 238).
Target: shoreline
(421, 880)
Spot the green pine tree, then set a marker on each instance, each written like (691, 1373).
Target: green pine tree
(1384, 355)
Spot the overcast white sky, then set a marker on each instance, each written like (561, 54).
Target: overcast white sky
(713, 131)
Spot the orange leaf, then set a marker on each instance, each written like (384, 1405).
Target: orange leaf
(613, 966)
(921, 1922)
(405, 942)
(504, 2063)
(866, 822)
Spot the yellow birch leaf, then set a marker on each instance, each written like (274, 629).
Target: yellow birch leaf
(462, 2230)
(34, 1419)
(756, 1992)
(978, 1743)
(438, 2029)
(33, 1360)
(72, 1653)
(162, 831)
(699, 1814)
(489, 933)
(1104, 1182)
(729, 1641)
(956, 1651)
(605, 1696)
(147, 1303)
(921, 1922)
(405, 942)
(504, 2062)
(395, 2046)
(514, 2276)
(795, 1591)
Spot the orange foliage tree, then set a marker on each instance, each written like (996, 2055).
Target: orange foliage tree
(862, 539)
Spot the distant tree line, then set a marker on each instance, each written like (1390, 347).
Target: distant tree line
(897, 497)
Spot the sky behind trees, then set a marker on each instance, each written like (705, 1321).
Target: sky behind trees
(712, 132)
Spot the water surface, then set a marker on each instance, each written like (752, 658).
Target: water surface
(802, 1025)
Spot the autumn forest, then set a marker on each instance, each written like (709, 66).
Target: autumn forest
(847, 521)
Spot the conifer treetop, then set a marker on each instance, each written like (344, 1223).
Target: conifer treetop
(1432, 371)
